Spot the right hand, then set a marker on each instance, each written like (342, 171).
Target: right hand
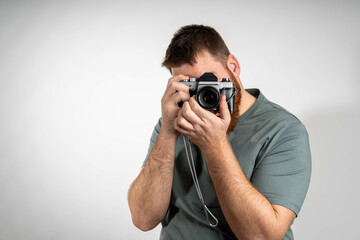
(174, 93)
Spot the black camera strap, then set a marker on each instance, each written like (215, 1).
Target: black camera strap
(196, 181)
(233, 94)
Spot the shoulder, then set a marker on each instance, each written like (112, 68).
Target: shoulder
(280, 118)
(282, 131)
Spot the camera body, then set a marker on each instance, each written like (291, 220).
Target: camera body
(208, 91)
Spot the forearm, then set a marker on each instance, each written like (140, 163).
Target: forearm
(149, 195)
(249, 214)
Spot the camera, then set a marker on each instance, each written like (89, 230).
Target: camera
(208, 91)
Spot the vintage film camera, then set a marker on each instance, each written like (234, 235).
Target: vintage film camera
(209, 91)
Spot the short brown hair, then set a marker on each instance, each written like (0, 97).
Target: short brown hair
(191, 40)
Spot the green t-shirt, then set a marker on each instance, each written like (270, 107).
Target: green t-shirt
(272, 148)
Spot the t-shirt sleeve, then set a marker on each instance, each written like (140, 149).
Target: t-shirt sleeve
(283, 173)
(153, 138)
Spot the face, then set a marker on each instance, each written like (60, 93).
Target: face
(207, 63)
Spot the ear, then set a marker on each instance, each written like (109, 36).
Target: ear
(233, 65)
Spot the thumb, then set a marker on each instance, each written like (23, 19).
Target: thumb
(224, 109)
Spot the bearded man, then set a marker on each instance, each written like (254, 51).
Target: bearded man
(253, 165)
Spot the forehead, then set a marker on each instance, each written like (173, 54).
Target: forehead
(205, 62)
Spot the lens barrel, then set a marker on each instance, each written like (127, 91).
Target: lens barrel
(208, 97)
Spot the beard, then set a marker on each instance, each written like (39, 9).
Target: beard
(236, 114)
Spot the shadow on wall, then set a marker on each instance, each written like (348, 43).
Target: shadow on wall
(331, 207)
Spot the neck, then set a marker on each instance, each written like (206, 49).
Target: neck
(247, 100)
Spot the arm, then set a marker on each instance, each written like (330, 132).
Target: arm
(249, 214)
(149, 195)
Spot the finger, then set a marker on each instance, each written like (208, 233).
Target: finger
(224, 109)
(176, 87)
(184, 123)
(189, 114)
(178, 97)
(180, 129)
(198, 110)
(177, 78)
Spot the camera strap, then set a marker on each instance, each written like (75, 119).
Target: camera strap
(196, 181)
(233, 94)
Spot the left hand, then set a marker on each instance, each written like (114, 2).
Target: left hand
(203, 128)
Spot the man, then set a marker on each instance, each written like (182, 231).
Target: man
(253, 165)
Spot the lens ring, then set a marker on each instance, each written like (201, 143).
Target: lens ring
(208, 97)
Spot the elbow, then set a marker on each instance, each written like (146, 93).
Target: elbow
(279, 234)
(143, 224)
(276, 234)
(273, 234)
(142, 219)
(269, 234)
(260, 237)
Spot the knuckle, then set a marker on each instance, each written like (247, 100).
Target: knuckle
(172, 84)
(181, 95)
(207, 123)
(187, 113)
(192, 101)
(182, 122)
(180, 76)
(173, 78)
(185, 105)
(197, 128)
(195, 108)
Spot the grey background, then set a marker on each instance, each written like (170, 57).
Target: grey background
(80, 90)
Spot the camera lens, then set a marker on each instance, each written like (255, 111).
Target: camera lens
(208, 97)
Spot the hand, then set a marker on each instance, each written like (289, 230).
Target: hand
(203, 128)
(174, 93)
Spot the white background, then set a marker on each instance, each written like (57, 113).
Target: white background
(80, 90)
